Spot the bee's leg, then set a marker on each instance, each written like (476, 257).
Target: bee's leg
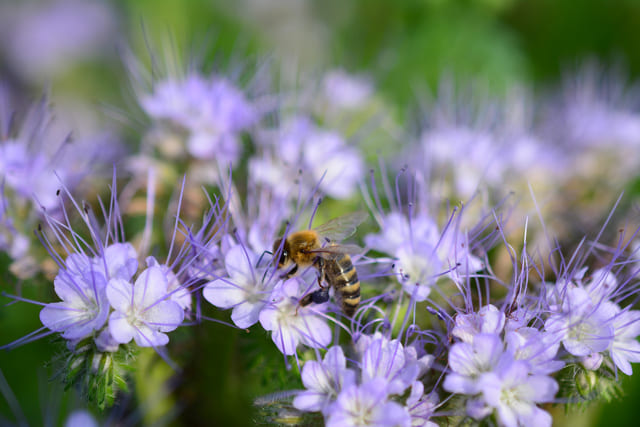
(260, 259)
(322, 277)
(320, 296)
(317, 297)
(304, 301)
(290, 273)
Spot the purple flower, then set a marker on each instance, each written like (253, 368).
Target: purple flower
(367, 405)
(245, 289)
(28, 173)
(625, 347)
(537, 348)
(597, 109)
(324, 381)
(513, 392)
(346, 91)
(213, 111)
(481, 142)
(420, 406)
(36, 159)
(47, 39)
(84, 307)
(422, 254)
(387, 359)
(291, 324)
(300, 150)
(582, 326)
(80, 418)
(177, 293)
(468, 361)
(487, 320)
(143, 311)
(120, 261)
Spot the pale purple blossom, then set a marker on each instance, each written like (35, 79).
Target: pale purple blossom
(80, 418)
(291, 324)
(487, 320)
(177, 292)
(536, 347)
(514, 393)
(346, 91)
(388, 359)
(625, 347)
(583, 326)
(469, 361)
(212, 110)
(324, 381)
(41, 40)
(301, 151)
(422, 254)
(84, 307)
(421, 406)
(143, 310)
(245, 287)
(367, 405)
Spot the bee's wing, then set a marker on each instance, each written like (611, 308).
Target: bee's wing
(342, 227)
(333, 249)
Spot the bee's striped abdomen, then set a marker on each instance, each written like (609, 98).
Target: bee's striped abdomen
(341, 274)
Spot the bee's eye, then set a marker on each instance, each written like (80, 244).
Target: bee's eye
(283, 257)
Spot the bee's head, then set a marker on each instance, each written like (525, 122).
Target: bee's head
(284, 258)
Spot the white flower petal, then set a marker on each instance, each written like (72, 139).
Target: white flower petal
(121, 330)
(120, 295)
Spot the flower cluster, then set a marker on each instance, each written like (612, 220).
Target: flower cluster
(443, 328)
(364, 395)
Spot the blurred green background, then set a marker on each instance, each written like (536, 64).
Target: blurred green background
(405, 46)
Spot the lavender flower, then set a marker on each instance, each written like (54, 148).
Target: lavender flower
(584, 327)
(143, 311)
(246, 288)
(388, 359)
(80, 418)
(514, 393)
(42, 41)
(291, 324)
(324, 381)
(468, 361)
(624, 347)
(421, 406)
(421, 253)
(212, 111)
(367, 405)
(321, 156)
(346, 91)
(84, 307)
(588, 323)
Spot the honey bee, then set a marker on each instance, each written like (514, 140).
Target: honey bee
(319, 247)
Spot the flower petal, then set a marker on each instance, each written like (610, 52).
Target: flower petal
(121, 330)
(120, 295)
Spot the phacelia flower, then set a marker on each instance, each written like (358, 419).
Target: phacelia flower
(514, 393)
(367, 405)
(246, 288)
(291, 324)
(213, 111)
(422, 254)
(300, 150)
(346, 91)
(143, 310)
(84, 307)
(324, 381)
